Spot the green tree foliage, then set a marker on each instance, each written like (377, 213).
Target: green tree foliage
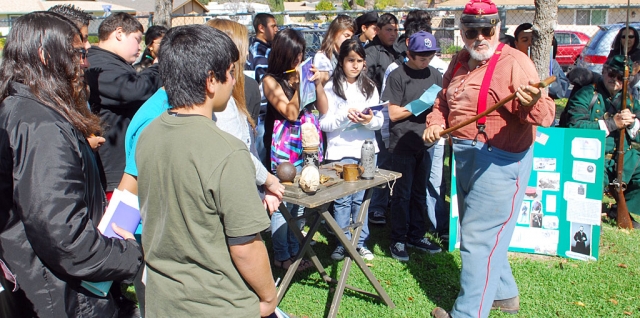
(345, 5)
(205, 2)
(325, 5)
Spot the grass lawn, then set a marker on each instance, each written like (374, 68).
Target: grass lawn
(549, 286)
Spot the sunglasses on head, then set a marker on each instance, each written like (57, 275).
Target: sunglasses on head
(473, 33)
(82, 52)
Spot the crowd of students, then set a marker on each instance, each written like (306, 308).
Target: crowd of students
(197, 126)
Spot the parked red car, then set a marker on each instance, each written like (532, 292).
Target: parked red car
(570, 44)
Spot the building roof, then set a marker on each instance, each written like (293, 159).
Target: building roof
(461, 3)
(144, 7)
(177, 4)
(26, 6)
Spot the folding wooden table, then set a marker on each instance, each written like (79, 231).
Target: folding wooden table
(317, 205)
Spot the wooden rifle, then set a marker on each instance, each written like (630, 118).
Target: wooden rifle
(618, 186)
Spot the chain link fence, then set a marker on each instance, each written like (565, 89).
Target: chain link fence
(571, 20)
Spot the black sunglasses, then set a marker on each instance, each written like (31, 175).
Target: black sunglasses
(615, 75)
(472, 34)
(82, 52)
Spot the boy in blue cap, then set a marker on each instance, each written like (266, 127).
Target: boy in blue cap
(409, 154)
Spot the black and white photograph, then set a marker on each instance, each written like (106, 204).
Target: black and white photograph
(581, 238)
(549, 181)
(536, 220)
(544, 164)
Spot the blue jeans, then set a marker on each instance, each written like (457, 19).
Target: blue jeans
(491, 186)
(380, 197)
(346, 210)
(436, 205)
(408, 202)
(285, 244)
(262, 151)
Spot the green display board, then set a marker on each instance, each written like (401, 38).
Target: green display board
(561, 211)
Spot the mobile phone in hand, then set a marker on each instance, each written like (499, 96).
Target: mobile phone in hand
(366, 111)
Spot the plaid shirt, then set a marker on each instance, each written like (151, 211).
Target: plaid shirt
(511, 127)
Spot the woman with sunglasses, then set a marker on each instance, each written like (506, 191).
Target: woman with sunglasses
(597, 106)
(619, 43)
(51, 199)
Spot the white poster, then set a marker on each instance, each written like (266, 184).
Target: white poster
(574, 190)
(584, 171)
(586, 211)
(586, 148)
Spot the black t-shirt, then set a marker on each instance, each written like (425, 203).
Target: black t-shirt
(252, 97)
(405, 85)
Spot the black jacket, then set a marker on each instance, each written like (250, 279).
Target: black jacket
(378, 59)
(50, 204)
(116, 92)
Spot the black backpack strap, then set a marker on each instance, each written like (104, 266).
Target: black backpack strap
(593, 99)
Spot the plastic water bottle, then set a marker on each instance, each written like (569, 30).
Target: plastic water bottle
(368, 159)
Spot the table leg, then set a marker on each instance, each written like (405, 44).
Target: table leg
(353, 255)
(305, 248)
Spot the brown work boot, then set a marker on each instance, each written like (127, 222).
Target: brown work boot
(509, 306)
(440, 313)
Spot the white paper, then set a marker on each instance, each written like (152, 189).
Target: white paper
(522, 238)
(1, 288)
(549, 181)
(574, 190)
(454, 206)
(118, 196)
(550, 222)
(544, 164)
(586, 148)
(551, 203)
(585, 211)
(584, 171)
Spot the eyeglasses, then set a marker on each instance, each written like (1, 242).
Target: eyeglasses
(472, 34)
(82, 52)
(615, 75)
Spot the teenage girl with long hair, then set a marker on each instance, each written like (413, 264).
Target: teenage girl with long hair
(51, 199)
(283, 123)
(348, 123)
(341, 28)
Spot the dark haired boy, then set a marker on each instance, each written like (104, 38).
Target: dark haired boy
(366, 27)
(409, 155)
(80, 18)
(266, 27)
(201, 213)
(381, 51)
(116, 90)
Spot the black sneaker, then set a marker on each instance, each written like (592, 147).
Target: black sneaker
(399, 251)
(425, 245)
(377, 217)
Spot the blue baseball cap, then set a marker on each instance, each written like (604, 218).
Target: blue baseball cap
(422, 42)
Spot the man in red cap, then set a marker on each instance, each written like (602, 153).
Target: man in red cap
(493, 156)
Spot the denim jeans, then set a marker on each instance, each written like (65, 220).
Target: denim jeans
(262, 151)
(285, 244)
(436, 205)
(490, 188)
(380, 197)
(346, 210)
(408, 203)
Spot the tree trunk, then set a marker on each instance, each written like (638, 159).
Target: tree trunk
(162, 15)
(543, 22)
(368, 5)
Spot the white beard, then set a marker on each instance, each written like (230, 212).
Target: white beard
(481, 56)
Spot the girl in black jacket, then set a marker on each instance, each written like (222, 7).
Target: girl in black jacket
(51, 199)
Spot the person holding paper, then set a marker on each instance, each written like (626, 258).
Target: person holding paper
(348, 123)
(326, 60)
(51, 199)
(409, 89)
(493, 157)
(202, 214)
(283, 122)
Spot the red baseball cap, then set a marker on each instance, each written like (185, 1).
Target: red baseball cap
(480, 14)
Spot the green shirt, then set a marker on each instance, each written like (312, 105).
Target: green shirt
(196, 187)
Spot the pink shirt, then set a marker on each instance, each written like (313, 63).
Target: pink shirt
(511, 127)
